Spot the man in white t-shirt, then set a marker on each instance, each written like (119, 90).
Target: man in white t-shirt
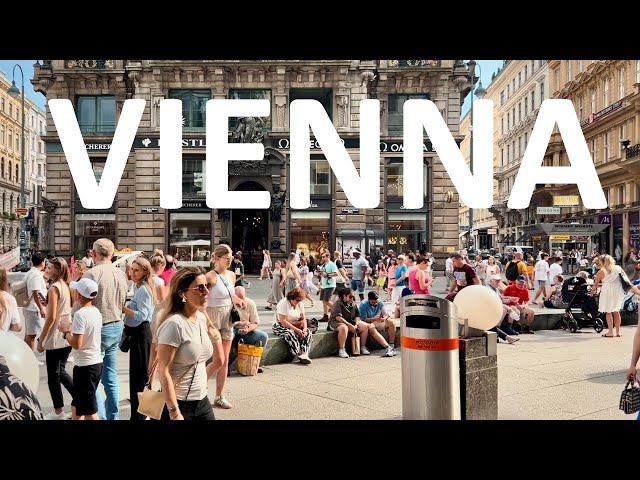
(555, 268)
(84, 336)
(448, 271)
(35, 312)
(542, 276)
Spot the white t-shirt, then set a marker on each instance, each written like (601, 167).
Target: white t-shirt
(542, 270)
(554, 269)
(448, 265)
(12, 317)
(87, 321)
(193, 344)
(35, 281)
(285, 308)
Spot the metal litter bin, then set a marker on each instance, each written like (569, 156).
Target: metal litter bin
(430, 361)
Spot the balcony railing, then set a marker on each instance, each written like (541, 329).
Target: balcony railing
(632, 152)
(93, 129)
(90, 64)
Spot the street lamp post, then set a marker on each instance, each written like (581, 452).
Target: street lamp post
(14, 92)
(479, 92)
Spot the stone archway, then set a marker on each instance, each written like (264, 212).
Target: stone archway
(250, 230)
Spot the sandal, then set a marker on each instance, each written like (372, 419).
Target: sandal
(607, 336)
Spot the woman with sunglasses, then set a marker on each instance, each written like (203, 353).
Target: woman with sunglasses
(291, 324)
(137, 320)
(51, 339)
(221, 298)
(184, 348)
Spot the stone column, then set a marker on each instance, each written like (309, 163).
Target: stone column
(479, 377)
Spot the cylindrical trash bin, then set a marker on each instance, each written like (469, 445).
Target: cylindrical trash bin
(430, 362)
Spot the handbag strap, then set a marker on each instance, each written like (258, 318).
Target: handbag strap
(195, 365)
(230, 296)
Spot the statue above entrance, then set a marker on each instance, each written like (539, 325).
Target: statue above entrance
(249, 130)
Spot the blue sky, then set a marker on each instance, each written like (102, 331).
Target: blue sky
(6, 66)
(487, 68)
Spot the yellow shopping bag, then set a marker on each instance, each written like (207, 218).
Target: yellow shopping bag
(249, 358)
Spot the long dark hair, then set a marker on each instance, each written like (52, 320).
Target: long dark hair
(179, 283)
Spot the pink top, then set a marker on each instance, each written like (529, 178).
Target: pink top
(391, 275)
(414, 284)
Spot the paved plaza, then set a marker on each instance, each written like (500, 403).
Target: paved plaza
(550, 375)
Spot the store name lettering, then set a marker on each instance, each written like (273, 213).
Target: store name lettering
(361, 186)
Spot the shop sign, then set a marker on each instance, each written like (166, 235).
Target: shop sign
(604, 219)
(350, 210)
(560, 237)
(548, 211)
(149, 209)
(566, 201)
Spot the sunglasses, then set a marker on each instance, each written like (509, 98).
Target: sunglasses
(203, 288)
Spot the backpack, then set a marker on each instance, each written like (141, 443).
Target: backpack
(512, 270)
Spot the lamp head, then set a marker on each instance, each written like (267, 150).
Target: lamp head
(13, 92)
(480, 91)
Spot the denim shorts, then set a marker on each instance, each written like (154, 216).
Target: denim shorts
(357, 285)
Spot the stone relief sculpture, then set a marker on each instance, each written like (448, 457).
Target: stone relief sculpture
(249, 130)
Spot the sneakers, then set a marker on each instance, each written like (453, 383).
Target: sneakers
(54, 416)
(510, 331)
(304, 358)
(391, 351)
(528, 330)
(325, 318)
(221, 402)
(342, 353)
(511, 339)
(364, 350)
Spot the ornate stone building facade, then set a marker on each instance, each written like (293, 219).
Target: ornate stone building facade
(98, 89)
(10, 160)
(606, 97)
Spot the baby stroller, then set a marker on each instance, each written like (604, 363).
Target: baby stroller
(582, 308)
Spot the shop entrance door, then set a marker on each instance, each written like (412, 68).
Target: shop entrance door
(249, 231)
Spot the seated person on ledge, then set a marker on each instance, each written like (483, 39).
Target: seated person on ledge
(246, 329)
(373, 314)
(519, 289)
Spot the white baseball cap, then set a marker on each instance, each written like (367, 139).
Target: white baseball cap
(85, 287)
(496, 277)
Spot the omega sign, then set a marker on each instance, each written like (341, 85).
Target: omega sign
(393, 147)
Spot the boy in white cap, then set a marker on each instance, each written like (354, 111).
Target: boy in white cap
(84, 334)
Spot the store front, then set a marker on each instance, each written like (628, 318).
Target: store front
(367, 241)
(634, 230)
(406, 230)
(310, 230)
(189, 235)
(564, 236)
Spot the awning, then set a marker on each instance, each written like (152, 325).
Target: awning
(346, 232)
(522, 237)
(463, 233)
(563, 228)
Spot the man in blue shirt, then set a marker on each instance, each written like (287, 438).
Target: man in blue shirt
(373, 314)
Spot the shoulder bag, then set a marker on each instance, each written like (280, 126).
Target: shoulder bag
(235, 315)
(624, 281)
(630, 398)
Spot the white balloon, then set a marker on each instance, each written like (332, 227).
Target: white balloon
(479, 305)
(21, 360)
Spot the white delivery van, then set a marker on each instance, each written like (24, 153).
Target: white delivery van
(510, 250)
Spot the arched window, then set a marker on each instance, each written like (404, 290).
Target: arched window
(2, 169)
(17, 174)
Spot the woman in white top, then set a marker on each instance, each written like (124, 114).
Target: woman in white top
(51, 339)
(611, 293)
(492, 269)
(293, 274)
(184, 348)
(221, 297)
(291, 324)
(9, 316)
(158, 263)
(266, 264)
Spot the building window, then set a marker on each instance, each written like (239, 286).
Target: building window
(310, 231)
(513, 113)
(10, 109)
(40, 147)
(395, 110)
(508, 121)
(39, 170)
(194, 176)
(501, 126)
(10, 203)
(17, 174)
(569, 70)
(190, 238)
(508, 153)
(621, 199)
(526, 140)
(501, 98)
(246, 94)
(9, 171)
(406, 231)
(526, 106)
(322, 95)
(502, 157)
(541, 92)
(194, 104)
(605, 148)
(395, 181)
(320, 177)
(580, 107)
(556, 74)
(605, 93)
(2, 170)
(18, 143)
(519, 79)
(533, 101)
(621, 138)
(92, 226)
(593, 150)
(519, 111)
(3, 104)
(525, 73)
(593, 101)
(621, 74)
(10, 138)
(4, 202)
(97, 114)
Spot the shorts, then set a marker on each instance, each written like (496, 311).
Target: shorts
(221, 319)
(380, 281)
(325, 296)
(33, 322)
(542, 283)
(357, 285)
(85, 384)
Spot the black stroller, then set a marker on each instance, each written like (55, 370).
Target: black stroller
(582, 308)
